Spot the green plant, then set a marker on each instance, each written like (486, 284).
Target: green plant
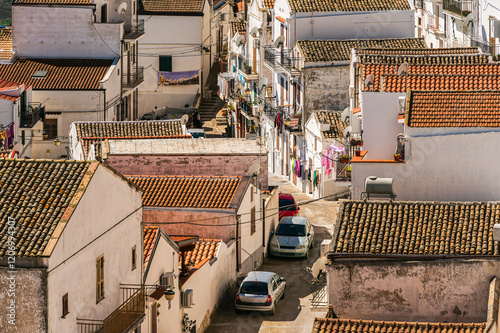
(187, 324)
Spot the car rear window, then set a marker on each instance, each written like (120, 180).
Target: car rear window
(287, 204)
(255, 288)
(291, 230)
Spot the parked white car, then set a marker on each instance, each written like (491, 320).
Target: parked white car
(260, 291)
(293, 237)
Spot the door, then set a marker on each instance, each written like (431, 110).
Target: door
(154, 320)
(104, 13)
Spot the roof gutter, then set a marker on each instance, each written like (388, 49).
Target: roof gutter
(405, 257)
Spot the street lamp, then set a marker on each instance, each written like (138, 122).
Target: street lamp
(169, 294)
(57, 142)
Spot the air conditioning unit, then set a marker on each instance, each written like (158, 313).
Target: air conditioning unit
(187, 298)
(167, 279)
(255, 110)
(256, 43)
(324, 127)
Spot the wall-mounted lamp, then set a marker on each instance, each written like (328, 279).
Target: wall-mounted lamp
(247, 91)
(169, 294)
(57, 142)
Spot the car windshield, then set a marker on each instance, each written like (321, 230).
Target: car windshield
(287, 204)
(291, 230)
(254, 288)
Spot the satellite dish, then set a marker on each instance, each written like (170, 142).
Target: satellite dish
(254, 32)
(403, 69)
(240, 40)
(345, 114)
(279, 42)
(469, 19)
(263, 83)
(254, 170)
(369, 80)
(347, 131)
(122, 8)
(184, 119)
(318, 266)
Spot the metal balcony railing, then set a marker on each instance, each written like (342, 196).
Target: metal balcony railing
(460, 7)
(134, 78)
(31, 115)
(271, 56)
(244, 66)
(135, 31)
(123, 318)
(289, 62)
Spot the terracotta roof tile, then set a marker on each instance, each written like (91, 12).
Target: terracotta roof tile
(347, 5)
(417, 228)
(432, 59)
(6, 44)
(333, 118)
(181, 238)
(269, 4)
(149, 233)
(331, 325)
(38, 194)
(340, 50)
(396, 83)
(5, 153)
(62, 74)
(52, 2)
(128, 129)
(238, 27)
(196, 192)
(437, 51)
(204, 249)
(172, 6)
(383, 69)
(453, 109)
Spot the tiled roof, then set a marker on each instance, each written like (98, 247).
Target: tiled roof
(150, 233)
(396, 83)
(347, 5)
(182, 238)
(442, 51)
(204, 249)
(6, 44)
(9, 98)
(417, 228)
(5, 153)
(52, 2)
(238, 27)
(128, 129)
(62, 74)
(196, 192)
(333, 118)
(340, 50)
(269, 4)
(172, 6)
(447, 59)
(453, 109)
(331, 325)
(380, 69)
(40, 195)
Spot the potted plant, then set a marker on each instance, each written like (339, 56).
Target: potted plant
(356, 142)
(344, 159)
(358, 152)
(398, 157)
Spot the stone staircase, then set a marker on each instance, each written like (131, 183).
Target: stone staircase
(209, 108)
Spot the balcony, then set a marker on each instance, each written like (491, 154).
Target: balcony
(133, 79)
(343, 164)
(135, 31)
(246, 70)
(271, 56)
(124, 318)
(282, 60)
(31, 115)
(459, 7)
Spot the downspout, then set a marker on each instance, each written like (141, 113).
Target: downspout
(105, 108)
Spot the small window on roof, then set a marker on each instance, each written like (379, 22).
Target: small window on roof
(39, 74)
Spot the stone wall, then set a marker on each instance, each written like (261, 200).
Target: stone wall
(444, 290)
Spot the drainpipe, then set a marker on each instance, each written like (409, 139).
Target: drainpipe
(105, 108)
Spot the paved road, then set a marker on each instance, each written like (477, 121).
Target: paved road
(293, 314)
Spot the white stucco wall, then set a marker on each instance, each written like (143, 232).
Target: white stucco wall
(342, 25)
(456, 167)
(380, 123)
(107, 200)
(164, 259)
(41, 31)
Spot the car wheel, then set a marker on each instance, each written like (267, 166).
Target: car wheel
(307, 254)
(283, 295)
(272, 311)
(312, 244)
(237, 311)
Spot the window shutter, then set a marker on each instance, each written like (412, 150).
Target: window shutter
(165, 63)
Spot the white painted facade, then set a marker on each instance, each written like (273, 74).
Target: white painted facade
(181, 37)
(164, 259)
(110, 207)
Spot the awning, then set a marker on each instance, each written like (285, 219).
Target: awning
(279, 18)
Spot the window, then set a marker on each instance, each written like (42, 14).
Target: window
(99, 278)
(65, 309)
(134, 260)
(165, 63)
(252, 223)
(50, 128)
(39, 74)
(251, 194)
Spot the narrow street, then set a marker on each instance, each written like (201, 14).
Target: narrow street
(293, 314)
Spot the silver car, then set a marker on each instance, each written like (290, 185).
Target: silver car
(294, 237)
(260, 291)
